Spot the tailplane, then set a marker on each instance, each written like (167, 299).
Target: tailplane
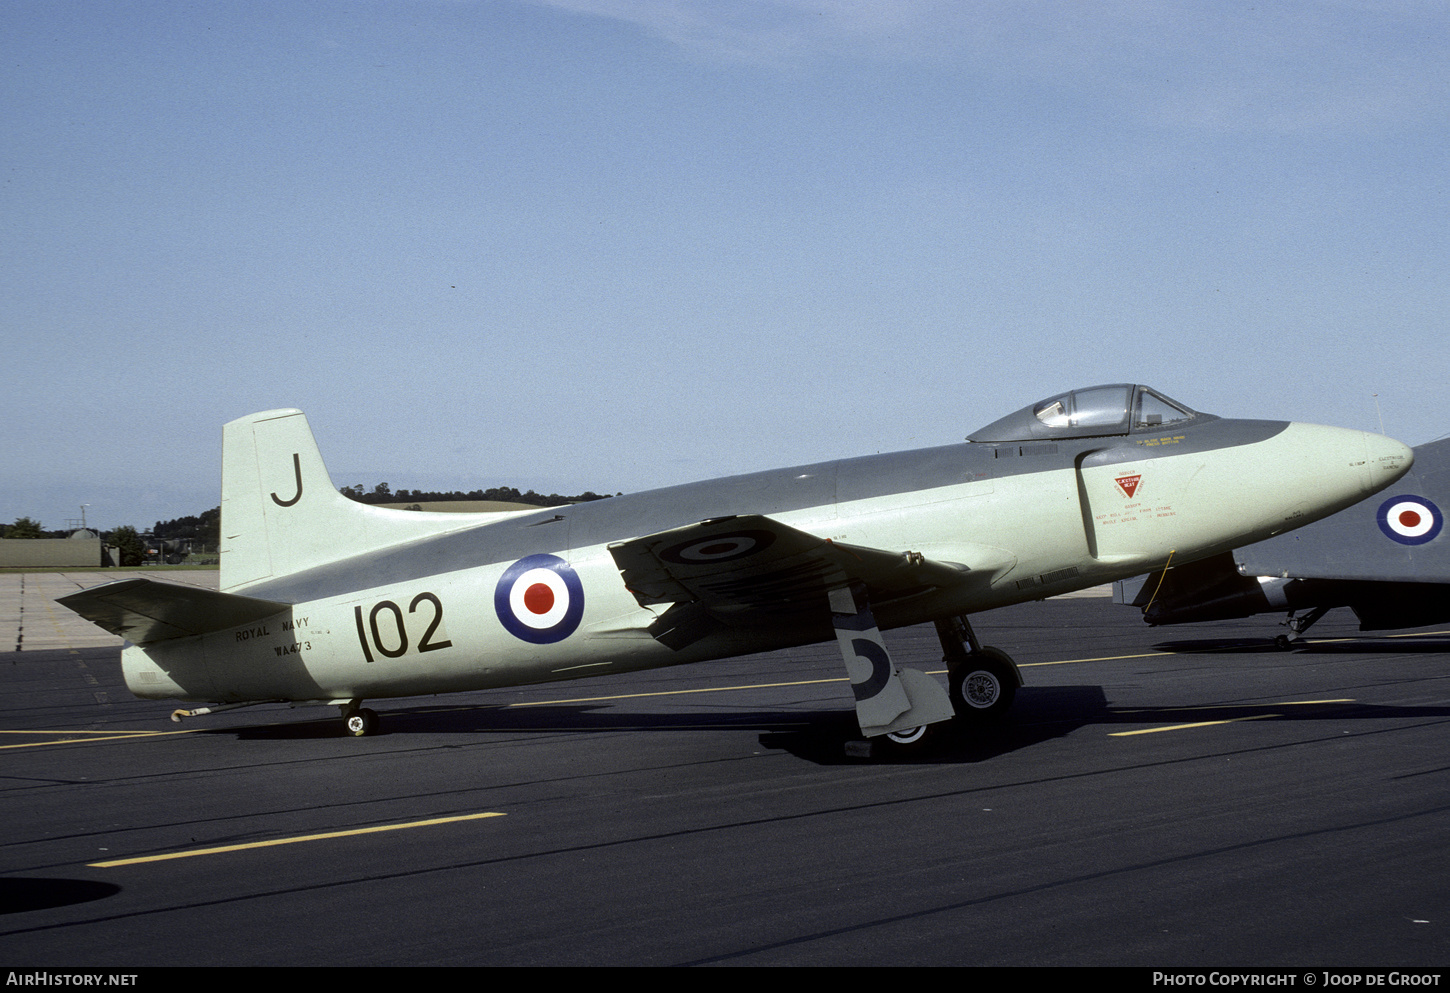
(144, 611)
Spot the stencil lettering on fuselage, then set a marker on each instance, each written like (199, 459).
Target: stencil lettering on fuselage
(1125, 506)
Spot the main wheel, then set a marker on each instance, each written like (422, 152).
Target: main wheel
(983, 688)
(908, 741)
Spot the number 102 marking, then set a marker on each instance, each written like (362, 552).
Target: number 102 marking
(400, 630)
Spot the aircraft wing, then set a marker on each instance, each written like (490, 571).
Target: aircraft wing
(142, 610)
(750, 569)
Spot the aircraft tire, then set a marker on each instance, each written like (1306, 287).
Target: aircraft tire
(909, 741)
(361, 722)
(982, 690)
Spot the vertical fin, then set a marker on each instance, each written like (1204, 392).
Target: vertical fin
(281, 514)
(277, 498)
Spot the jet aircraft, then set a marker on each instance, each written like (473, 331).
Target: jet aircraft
(1386, 559)
(328, 601)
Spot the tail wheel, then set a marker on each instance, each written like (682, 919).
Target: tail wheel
(361, 722)
(984, 686)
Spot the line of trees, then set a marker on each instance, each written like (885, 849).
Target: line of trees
(381, 493)
(24, 527)
(203, 530)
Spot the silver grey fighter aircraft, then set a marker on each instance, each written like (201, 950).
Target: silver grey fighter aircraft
(328, 601)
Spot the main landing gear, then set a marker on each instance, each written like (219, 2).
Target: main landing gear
(983, 681)
(982, 684)
(904, 708)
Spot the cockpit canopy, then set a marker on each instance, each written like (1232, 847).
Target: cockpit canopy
(1097, 411)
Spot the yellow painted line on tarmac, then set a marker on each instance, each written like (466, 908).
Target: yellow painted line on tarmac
(1101, 658)
(931, 672)
(291, 841)
(804, 682)
(38, 731)
(1240, 706)
(1184, 727)
(1306, 641)
(703, 689)
(798, 682)
(1220, 706)
(1371, 637)
(69, 739)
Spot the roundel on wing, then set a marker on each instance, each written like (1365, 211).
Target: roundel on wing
(1410, 520)
(718, 548)
(539, 599)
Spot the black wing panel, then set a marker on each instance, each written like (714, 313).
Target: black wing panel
(747, 567)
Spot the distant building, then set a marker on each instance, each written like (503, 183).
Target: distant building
(82, 550)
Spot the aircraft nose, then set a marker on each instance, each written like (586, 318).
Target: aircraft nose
(1316, 471)
(1386, 461)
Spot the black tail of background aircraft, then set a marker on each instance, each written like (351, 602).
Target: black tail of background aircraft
(1387, 559)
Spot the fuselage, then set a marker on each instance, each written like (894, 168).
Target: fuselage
(1024, 519)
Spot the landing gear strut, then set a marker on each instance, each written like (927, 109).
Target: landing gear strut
(983, 681)
(1299, 624)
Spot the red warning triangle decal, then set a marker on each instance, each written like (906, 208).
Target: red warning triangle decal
(1129, 484)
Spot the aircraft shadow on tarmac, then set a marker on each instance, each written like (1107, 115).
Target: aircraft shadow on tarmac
(1040, 713)
(822, 737)
(21, 895)
(1354, 645)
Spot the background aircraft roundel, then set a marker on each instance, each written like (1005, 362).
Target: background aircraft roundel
(1410, 520)
(539, 599)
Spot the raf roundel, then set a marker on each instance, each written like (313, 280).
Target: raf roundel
(539, 599)
(718, 548)
(1410, 520)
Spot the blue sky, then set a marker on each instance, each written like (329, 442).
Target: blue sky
(617, 244)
